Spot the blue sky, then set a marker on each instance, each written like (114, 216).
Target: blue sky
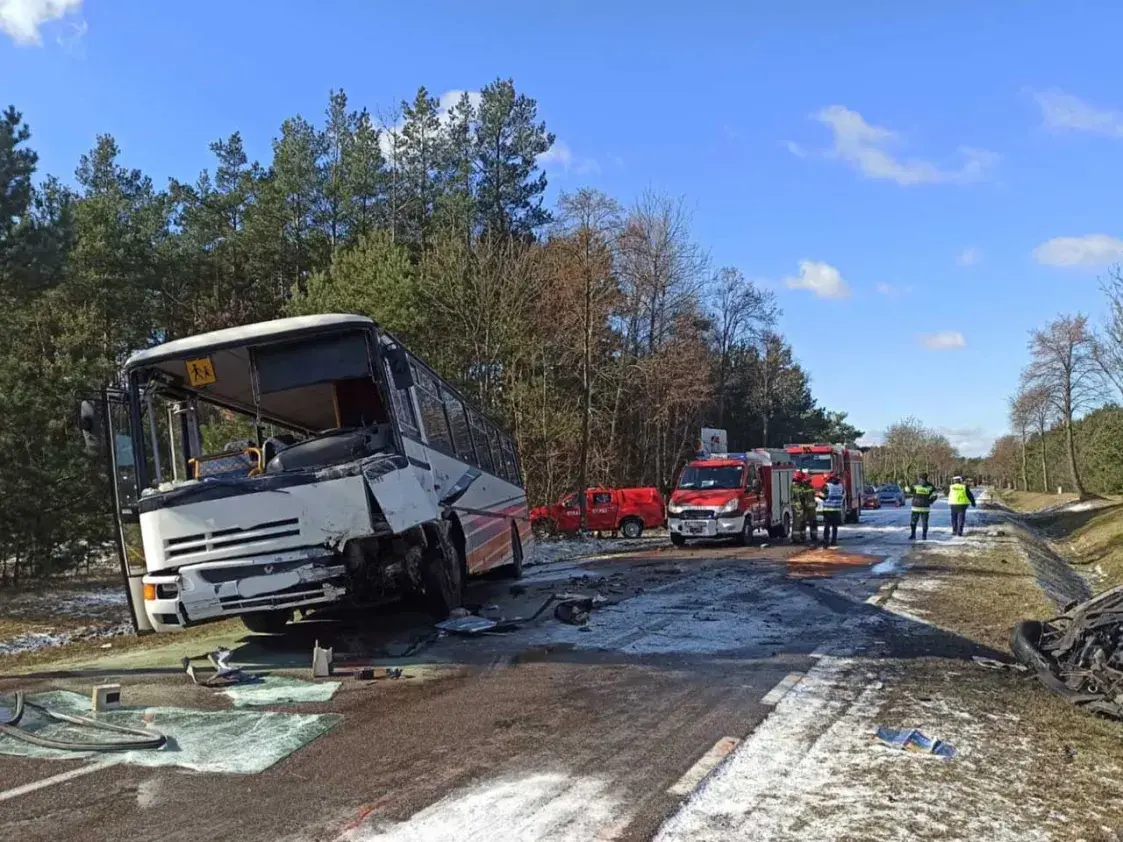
(904, 179)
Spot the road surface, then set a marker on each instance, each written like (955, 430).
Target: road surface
(549, 732)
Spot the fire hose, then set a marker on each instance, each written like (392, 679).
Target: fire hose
(148, 739)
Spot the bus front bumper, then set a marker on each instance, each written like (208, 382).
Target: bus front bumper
(216, 590)
(717, 527)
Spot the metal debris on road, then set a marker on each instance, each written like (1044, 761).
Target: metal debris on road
(993, 664)
(914, 740)
(1079, 655)
(225, 674)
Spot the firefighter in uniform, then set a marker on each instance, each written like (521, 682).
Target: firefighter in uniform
(923, 496)
(803, 495)
(833, 495)
(959, 498)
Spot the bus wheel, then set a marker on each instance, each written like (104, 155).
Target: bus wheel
(267, 622)
(514, 570)
(632, 528)
(440, 574)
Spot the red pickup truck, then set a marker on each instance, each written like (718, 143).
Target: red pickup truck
(628, 511)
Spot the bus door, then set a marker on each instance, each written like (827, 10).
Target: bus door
(107, 426)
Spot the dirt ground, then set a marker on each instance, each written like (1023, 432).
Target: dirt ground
(791, 657)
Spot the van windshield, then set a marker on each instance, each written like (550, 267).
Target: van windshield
(699, 477)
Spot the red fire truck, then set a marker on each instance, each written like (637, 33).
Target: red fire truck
(821, 460)
(732, 495)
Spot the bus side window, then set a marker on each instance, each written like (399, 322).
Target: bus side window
(511, 462)
(458, 420)
(497, 454)
(432, 411)
(479, 435)
(403, 407)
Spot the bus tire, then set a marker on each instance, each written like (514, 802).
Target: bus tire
(441, 571)
(514, 570)
(631, 527)
(677, 539)
(267, 622)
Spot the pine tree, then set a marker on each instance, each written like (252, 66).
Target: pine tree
(508, 142)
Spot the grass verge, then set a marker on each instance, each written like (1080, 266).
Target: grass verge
(1032, 501)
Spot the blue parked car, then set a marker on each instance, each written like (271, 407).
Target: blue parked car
(891, 495)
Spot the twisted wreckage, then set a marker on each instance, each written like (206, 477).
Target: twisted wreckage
(1079, 655)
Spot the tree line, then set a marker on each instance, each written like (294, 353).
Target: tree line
(598, 333)
(1065, 417)
(910, 448)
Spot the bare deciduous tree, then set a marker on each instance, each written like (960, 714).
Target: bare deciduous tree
(1021, 418)
(1107, 349)
(742, 311)
(1063, 364)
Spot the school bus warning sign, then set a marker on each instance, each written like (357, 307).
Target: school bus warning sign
(200, 372)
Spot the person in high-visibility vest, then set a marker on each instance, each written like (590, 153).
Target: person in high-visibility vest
(959, 498)
(833, 495)
(923, 496)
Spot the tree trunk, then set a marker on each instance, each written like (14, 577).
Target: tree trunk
(1070, 441)
(586, 401)
(1025, 470)
(1044, 466)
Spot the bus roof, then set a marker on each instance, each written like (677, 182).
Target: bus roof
(257, 333)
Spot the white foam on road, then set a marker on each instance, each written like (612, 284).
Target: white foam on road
(545, 807)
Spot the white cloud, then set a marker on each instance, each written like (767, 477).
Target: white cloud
(1089, 250)
(969, 441)
(21, 19)
(561, 157)
(820, 278)
(796, 149)
(945, 340)
(1063, 111)
(969, 256)
(892, 290)
(865, 147)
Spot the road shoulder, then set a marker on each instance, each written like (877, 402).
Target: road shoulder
(1028, 765)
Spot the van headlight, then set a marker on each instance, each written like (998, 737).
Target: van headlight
(675, 508)
(732, 507)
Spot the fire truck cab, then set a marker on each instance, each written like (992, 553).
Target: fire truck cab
(821, 460)
(732, 495)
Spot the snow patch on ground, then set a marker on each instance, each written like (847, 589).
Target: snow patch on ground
(708, 612)
(60, 616)
(35, 640)
(546, 807)
(553, 550)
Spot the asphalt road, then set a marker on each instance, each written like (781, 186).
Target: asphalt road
(548, 732)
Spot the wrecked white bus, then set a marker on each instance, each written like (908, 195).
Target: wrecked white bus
(362, 476)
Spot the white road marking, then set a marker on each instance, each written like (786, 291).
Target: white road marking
(772, 698)
(60, 778)
(702, 768)
(821, 651)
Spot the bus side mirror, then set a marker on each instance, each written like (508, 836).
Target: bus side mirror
(399, 367)
(90, 423)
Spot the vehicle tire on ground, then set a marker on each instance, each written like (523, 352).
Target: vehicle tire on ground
(1024, 642)
(746, 536)
(786, 525)
(267, 622)
(678, 539)
(514, 570)
(631, 528)
(441, 579)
